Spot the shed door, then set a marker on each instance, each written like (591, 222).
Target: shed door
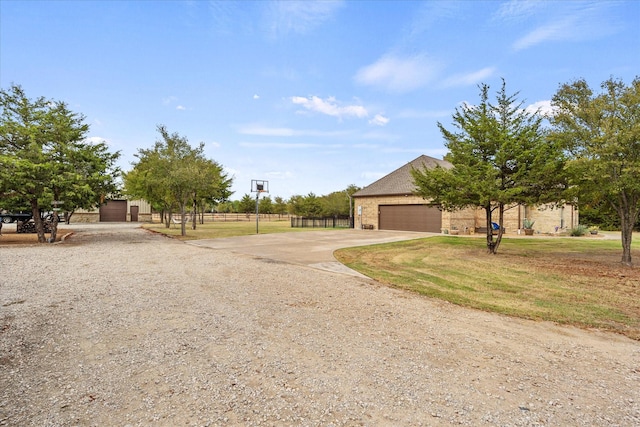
(114, 211)
(426, 218)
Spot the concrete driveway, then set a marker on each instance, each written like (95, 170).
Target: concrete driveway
(314, 248)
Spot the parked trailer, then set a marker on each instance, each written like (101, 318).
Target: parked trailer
(9, 217)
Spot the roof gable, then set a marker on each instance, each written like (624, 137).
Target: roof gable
(400, 181)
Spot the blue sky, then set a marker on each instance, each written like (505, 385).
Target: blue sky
(311, 96)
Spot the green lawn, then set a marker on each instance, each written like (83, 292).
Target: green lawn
(577, 281)
(218, 229)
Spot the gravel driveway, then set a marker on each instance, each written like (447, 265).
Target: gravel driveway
(121, 327)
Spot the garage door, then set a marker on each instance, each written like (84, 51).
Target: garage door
(114, 211)
(410, 218)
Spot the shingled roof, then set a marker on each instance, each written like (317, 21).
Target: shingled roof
(400, 181)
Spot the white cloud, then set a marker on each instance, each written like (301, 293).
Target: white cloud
(552, 31)
(468, 79)
(299, 17)
(330, 107)
(466, 105)
(230, 171)
(396, 74)
(95, 140)
(517, 9)
(431, 12)
(544, 107)
(572, 21)
(379, 120)
(256, 96)
(170, 100)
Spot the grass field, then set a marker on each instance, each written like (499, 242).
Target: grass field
(214, 230)
(576, 281)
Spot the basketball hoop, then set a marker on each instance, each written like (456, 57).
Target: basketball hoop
(259, 186)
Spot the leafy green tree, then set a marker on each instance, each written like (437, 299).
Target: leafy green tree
(296, 205)
(500, 156)
(266, 205)
(280, 206)
(312, 207)
(602, 133)
(338, 203)
(212, 186)
(44, 156)
(602, 215)
(247, 204)
(173, 175)
(352, 188)
(224, 207)
(147, 180)
(335, 204)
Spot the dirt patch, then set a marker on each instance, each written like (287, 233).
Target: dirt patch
(10, 237)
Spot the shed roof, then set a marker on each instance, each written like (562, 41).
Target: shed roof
(400, 181)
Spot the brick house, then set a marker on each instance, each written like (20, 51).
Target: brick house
(390, 203)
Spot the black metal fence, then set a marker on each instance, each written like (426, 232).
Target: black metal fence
(326, 222)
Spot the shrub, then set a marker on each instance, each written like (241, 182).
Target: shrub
(579, 230)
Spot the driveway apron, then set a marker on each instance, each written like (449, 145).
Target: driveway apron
(314, 248)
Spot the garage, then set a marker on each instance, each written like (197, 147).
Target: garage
(114, 211)
(392, 202)
(425, 218)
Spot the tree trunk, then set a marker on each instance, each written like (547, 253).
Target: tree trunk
(626, 227)
(183, 213)
(491, 245)
(35, 212)
(194, 215)
(54, 227)
(500, 227)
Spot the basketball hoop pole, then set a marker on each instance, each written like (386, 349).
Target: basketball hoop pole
(257, 210)
(258, 186)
